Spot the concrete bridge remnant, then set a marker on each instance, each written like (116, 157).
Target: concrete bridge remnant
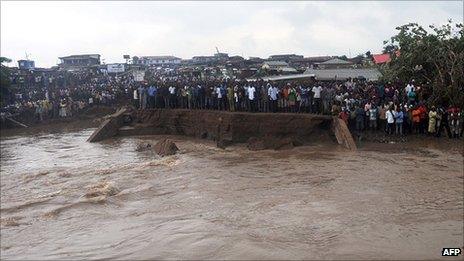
(225, 127)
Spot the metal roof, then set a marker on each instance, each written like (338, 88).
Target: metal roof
(159, 57)
(372, 74)
(276, 63)
(336, 61)
(283, 77)
(81, 56)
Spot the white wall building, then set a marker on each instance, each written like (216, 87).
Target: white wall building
(157, 60)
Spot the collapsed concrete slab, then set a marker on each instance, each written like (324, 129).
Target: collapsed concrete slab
(343, 134)
(109, 127)
(236, 127)
(228, 127)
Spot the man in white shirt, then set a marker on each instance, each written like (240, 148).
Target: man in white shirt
(251, 97)
(220, 97)
(317, 98)
(272, 93)
(218, 92)
(390, 120)
(172, 96)
(409, 88)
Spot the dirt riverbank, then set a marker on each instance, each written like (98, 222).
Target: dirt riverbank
(89, 118)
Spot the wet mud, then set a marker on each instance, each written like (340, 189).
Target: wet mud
(64, 198)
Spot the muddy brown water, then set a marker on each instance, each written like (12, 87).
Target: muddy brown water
(64, 198)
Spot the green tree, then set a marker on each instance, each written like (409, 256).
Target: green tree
(434, 56)
(368, 54)
(5, 84)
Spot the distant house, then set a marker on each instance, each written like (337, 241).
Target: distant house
(335, 63)
(310, 61)
(383, 58)
(221, 56)
(274, 65)
(247, 72)
(81, 60)
(236, 61)
(26, 64)
(280, 67)
(254, 61)
(203, 59)
(284, 57)
(156, 60)
(371, 74)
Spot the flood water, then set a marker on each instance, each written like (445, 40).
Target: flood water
(65, 198)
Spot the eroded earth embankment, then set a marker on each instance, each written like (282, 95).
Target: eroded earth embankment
(225, 127)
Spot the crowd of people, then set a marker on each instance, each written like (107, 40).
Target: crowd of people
(66, 96)
(363, 105)
(395, 108)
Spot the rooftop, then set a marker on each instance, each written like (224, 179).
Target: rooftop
(159, 57)
(381, 58)
(336, 61)
(276, 63)
(342, 74)
(81, 56)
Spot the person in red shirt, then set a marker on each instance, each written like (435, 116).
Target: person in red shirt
(416, 119)
(423, 118)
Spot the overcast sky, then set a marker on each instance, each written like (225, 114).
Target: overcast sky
(47, 30)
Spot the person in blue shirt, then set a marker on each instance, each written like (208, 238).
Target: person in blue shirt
(152, 96)
(381, 91)
(304, 104)
(359, 112)
(142, 92)
(399, 115)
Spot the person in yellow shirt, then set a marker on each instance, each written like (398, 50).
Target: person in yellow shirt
(432, 120)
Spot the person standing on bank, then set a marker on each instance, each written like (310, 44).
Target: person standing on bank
(230, 97)
(172, 96)
(432, 121)
(251, 98)
(317, 98)
(151, 96)
(399, 115)
(390, 120)
(272, 92)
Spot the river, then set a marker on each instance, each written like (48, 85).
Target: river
(65, 198)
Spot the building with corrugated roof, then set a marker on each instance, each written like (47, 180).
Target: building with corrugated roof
(371, 74)
(26, 64)
(284, 57)
(335, 63)
(156, 60)
(81, 60)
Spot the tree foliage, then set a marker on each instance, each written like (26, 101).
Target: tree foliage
(434, 56)
(4, 79)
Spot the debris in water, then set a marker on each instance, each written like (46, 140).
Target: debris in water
(269, 142)
(166, 147)
(10, 222)
(105, 188)
(142, 146)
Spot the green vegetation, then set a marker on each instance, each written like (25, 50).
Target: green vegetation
(4, 80)
(434, 56)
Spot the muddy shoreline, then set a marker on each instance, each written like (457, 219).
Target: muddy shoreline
(371, 141)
